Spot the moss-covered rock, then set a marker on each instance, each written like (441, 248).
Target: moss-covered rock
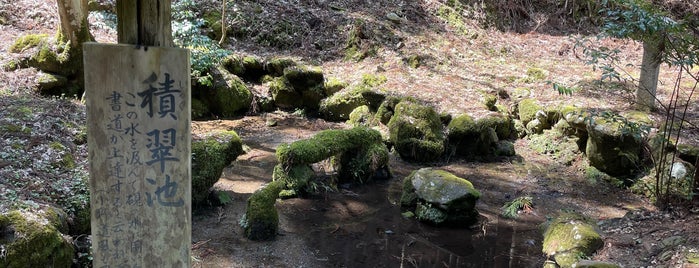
(234, 65)
(276, 66)
(569, 238)
(505, 148)
(284, 95)
(688, 152)
(334, 85)
(612, 150)
(339, 106)
(439, 197)
(387, 109)
(469, 138)
(361, 116)
(416, 132)
(358, 155)
(210, 155)
(28, 41)
(304, 77)
(325, 144)
(254, 68)
(563, 149)
(261, 220)
(31, 239)
(199, 109)
(50, 84)
(527, 109)
(228, 96)
(363, 164)
(676, 181)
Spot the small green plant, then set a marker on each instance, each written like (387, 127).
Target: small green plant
(512, 208)
(186, 29)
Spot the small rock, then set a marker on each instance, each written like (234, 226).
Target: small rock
(393, 17)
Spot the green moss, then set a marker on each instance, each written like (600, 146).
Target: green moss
(361, 116)
(339, 106)
(373, 80)
(561, 148)
(361, 164)
(535, 74)
(276, 66)
(503, 126)
(254, 68)
(234, 65)
(284, 95)
(229, 96)
(325, 144)
(11, 65)
(413, 61)
(334, 85)
(489, 101)
(261, 220)
(569, 238)
(527, 109)
(520, 93)
(32, 242)
(210, 155)
(358, 47)
(199, 109)
(295, 180)
(386, 109)
(28, 41)
(212, 19)
(416, 131)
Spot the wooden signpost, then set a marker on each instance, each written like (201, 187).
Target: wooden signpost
(138, 115)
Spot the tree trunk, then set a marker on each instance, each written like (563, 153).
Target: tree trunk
(144, 22)
(650, 68)
(74, 27)
(695, 189)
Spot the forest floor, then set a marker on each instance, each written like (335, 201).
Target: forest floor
(361, 226)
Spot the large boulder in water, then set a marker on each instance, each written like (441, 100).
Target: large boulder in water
(569, 238)
(439, 197)
(612, 150)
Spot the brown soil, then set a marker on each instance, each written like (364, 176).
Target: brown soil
(361, 225)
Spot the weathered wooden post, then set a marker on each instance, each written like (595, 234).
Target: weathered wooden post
(138, 106)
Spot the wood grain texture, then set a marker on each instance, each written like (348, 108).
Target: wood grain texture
(139, 144)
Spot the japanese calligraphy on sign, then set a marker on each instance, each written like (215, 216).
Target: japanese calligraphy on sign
(138, 105)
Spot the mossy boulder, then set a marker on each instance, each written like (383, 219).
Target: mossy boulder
(387, 109)
(303, 78)
(199, 109)
(358, 155)
(569, 238)
(234, 65)
(339, 106)
(28, 41)
(32, 239)
(527, 109)
(325, 144)
(334, 85)
(439, 197)
(261, 220)
(362, 116)
(228, 96)
(250, 68)
(677, 178)
(284, 95)
(50, 84)
(612, 150)
(564, 149)
(688, 152)
(416, 132)
(210, 155)
(299, 87)
(470, 138)
(276, 66)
